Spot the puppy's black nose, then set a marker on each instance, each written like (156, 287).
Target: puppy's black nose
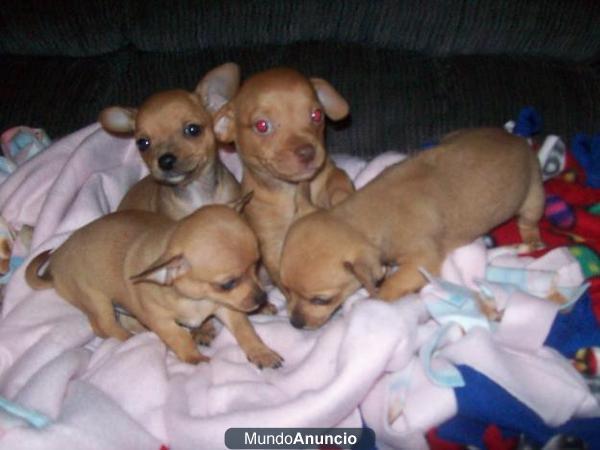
(297, 321)
(305, 153)
(260, 298)
(167, 161)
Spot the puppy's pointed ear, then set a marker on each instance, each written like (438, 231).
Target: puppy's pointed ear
(241, 202)
(116, 119)
(163, 272)
(223, 124)
(303, 204)
(219, 86)
(368, 271)
(336, 107)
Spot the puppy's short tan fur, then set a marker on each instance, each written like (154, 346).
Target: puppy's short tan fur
(411, 215)
(277, 121)
(165, 273)
(174, 133)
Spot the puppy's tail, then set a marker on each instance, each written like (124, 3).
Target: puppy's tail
(37, 276)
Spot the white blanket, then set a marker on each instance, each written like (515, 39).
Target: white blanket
(104, 394)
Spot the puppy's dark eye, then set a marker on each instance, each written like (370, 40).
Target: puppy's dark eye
(321, 301)
(192, 130)
(229, 284)
(143, 144)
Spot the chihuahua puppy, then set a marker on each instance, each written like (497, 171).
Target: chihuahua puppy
(412, 215)
(173, 131)
(277, 122)
(165, 273)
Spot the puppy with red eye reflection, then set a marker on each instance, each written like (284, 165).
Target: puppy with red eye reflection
(277, 122)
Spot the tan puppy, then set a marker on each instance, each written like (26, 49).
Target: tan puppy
(277, 121)
(411, 215)
(163, 272)
(173, 131)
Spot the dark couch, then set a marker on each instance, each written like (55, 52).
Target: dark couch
(411, 70)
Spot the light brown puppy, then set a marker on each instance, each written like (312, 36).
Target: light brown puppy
(411, 215)
(165, 273)
(277, 121)
(173, 131)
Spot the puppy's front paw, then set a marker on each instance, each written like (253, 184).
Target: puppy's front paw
(205, 334)
(268, 308)
(265, 357)
(400, 283)
(390, 292)
(194, 358)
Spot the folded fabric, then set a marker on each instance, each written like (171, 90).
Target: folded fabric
(18, 145)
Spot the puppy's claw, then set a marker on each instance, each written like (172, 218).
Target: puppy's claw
(265, 358)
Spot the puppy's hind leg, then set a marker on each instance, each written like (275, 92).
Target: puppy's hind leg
(102, 318)
(531, 212)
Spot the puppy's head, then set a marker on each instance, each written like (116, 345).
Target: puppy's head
(173, 130)
(212, 255)
(323, 262)
(277, 121)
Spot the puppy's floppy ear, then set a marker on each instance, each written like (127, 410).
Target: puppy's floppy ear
(117, 119)
(164, 271)
(303, 204)
(219, 86)
(336, 107)
(223, 124)
(368, 271)
(241, 202)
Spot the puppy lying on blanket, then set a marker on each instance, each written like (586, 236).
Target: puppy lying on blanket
(277, 121)
(174, 134)
(411, 215)
(165, 273)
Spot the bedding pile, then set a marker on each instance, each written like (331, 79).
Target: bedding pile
(427, 371)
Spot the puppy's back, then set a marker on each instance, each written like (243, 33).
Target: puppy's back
(474, 180)
(94, 254)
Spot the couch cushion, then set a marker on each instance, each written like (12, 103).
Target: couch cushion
(550, 28)
(57, 94)
(62, 27)
(398, 100)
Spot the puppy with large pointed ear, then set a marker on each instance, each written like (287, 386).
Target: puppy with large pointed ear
(215, 89)
(173, 131)
(277, 122)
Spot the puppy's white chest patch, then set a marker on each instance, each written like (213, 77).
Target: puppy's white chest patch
(197, 193)
(192, 313)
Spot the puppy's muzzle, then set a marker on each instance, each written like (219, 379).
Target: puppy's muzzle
(167, 161)
(305, 153)
(297, 321)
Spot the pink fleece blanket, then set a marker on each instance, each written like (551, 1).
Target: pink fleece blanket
(104, 394)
